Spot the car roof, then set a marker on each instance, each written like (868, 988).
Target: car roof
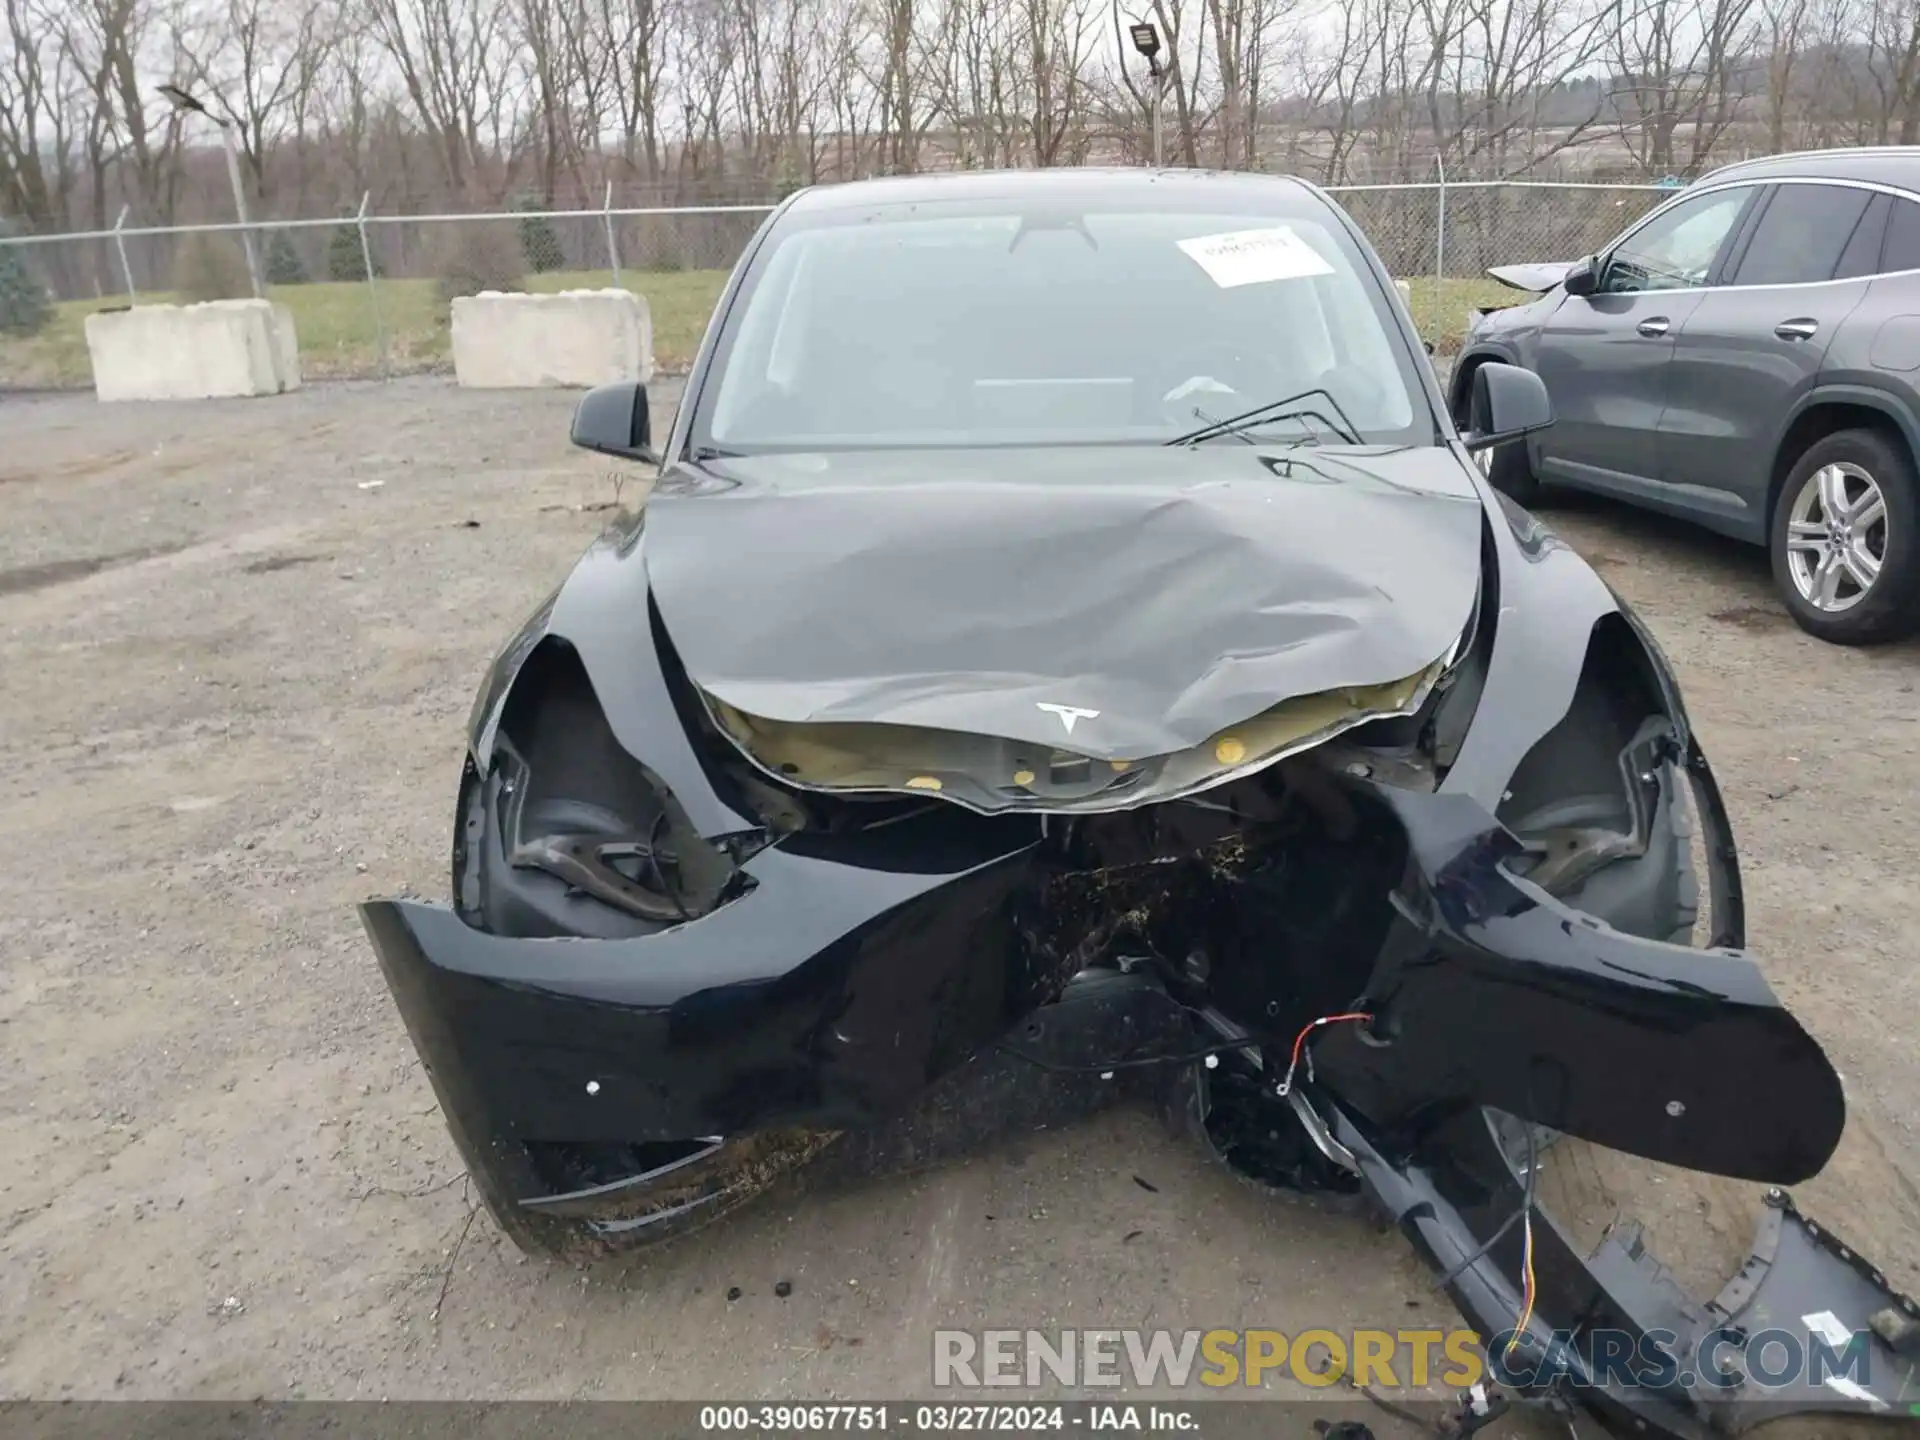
(1170, 187)
(1897, 165)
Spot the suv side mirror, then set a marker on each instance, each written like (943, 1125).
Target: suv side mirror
(1584, 278)
(613, 420)
(1506, 403)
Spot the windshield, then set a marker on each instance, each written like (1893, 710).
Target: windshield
(1002, 322)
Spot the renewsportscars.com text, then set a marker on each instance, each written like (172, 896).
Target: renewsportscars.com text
(1396, 1359)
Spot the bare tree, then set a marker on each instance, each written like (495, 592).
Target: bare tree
(36, 117)
(1677, 61)
(633, 32)
(424, 101)
(256, 63)
(797, 90)
(1785, 24)
(343, 109)
(1506, 56)
(704, 56)
(536, 29)
(1833, 104)
(968, 80)
(1056, 39)
(117, 49)
(855, 103)
(1242, 35)
(1337, 81)
(446, 52)
(896, 73)
(1893, 64)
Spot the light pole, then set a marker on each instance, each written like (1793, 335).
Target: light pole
(1146, 39)
(181, 100)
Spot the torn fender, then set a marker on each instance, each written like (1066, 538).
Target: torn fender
(1548, 601)
(604, 614)
(1490, 992)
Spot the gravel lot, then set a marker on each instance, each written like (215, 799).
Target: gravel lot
(239, 641)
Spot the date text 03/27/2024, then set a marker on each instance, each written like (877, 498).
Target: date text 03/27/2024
(1092, 1419)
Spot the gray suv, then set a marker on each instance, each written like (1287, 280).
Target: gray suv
(1747, 356)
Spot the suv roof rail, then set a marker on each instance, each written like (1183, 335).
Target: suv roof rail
(1732, 165)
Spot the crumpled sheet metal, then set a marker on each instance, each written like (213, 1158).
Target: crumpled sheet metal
(1160, 594)
(987, 773)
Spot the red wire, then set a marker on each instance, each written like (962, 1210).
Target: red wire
(1528, 1292)
(1300, 1040)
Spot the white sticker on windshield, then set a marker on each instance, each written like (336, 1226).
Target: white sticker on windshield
(1248, 257)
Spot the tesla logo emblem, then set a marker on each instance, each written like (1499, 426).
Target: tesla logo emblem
(1067, 713)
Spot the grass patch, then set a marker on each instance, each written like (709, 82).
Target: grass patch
(58, 354)
(1441, 309)
(338, 335)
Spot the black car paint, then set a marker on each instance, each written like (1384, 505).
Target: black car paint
(1144, 565)
(602, 614)
(859, 968)
(894, 967)
(1549, 594)
(1488, 976)
(747, 1027)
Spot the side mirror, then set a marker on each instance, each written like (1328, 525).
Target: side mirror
(1584, 278)
(613, 420)
(1506, 403)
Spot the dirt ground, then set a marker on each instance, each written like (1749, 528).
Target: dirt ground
(237, 645)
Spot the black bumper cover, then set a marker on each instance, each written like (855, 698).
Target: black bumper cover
(857, 971)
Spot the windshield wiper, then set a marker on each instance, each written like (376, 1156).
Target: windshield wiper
(1212, 423)
(1278, 410)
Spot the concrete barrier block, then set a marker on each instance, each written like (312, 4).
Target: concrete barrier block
(193, 352)
(577, 338)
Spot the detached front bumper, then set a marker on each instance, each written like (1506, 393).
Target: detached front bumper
(1805, 1326)
(856, 969)
(603, 1088)
(826, 997)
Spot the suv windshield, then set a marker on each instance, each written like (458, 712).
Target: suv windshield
(1012, 322)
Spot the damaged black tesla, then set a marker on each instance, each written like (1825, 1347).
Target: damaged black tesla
(1070, 652)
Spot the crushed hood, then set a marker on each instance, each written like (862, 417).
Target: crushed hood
(1117, 602)
(1535, 279)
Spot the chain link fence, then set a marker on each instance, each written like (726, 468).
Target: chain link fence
(369, 293)
(1441, 239)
